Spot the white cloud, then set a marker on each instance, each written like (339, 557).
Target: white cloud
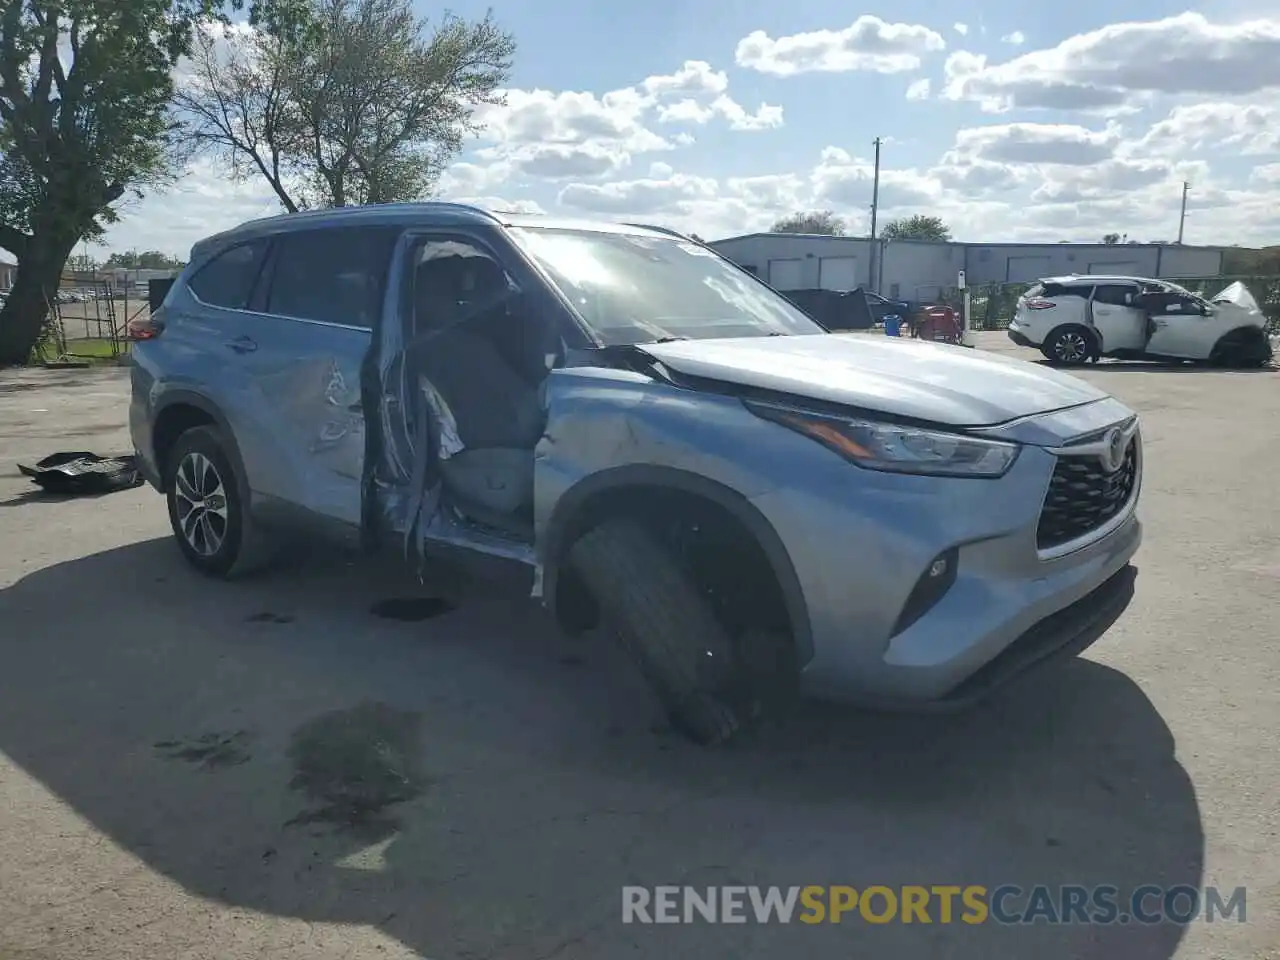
(766, 116)
(1017, 38)
(961, 28)
(845, 180)
(693, 78)
(204, 201)
(869, 43)
(1249, 129)
(571, 117)
(647, 196)
(919, 89)
(1267, 173)
(1035, 143)
(1112, 66)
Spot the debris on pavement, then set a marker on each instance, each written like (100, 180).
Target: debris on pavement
(82, 474)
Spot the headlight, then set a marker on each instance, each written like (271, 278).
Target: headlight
(895, 448)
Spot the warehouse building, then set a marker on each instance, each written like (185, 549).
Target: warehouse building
(923, 269)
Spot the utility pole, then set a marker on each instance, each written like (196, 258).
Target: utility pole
(1182, 218)
(875, 203)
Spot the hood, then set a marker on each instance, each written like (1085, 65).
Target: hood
(956, 386)
(1238, 295)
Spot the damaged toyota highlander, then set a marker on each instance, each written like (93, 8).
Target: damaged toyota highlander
(753, 507)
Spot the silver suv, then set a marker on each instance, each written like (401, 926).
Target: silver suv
(754, 506)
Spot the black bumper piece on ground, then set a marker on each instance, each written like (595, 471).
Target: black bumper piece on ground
(1020, 339)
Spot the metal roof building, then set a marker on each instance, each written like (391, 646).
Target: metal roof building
(923, 269)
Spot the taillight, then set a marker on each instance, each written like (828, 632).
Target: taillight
(145, 328)
(1037, 303)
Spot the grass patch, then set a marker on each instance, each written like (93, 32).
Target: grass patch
(96, 350)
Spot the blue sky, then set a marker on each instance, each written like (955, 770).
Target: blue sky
(1011, 121)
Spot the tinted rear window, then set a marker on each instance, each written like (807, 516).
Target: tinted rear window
(227, 280)
(333, 275)
(1061, 290)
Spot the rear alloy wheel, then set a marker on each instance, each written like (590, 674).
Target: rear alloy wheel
(200, 500)
(207, 507)
(1070, 347)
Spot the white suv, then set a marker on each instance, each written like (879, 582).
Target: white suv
(1075, 319)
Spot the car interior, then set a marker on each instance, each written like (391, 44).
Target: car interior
(475, 342)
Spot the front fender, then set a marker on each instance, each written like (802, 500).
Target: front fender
(612, 431)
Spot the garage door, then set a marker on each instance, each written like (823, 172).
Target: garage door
(838, 273)
(786, 274)
(1121, 268)
(1027, 269)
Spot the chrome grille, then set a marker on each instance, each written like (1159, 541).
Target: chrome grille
(1083, 496)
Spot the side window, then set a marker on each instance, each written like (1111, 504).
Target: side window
(227, 280)
(1115, 294)
(332, 275)
(455, 281)
(457, 286)
(1062, 290)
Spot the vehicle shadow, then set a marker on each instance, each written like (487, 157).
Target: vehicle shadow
(475, 784)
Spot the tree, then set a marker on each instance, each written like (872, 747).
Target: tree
(815, 221)
(1111, 238)
(85, 87)
(368, 106)
(145, 260)
(917, 227)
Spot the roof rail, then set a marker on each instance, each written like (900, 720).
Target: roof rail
(657, 229)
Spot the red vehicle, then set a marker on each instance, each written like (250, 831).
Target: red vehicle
(940, 323)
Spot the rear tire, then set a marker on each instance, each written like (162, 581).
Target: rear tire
(208, 507)
(667, 628)
(1070, 347)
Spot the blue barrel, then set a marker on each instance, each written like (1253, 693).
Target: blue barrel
(892, 325)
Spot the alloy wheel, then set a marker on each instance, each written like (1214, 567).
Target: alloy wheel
(1071, 348)
(201, 500)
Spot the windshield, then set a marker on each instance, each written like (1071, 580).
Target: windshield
(638, 289)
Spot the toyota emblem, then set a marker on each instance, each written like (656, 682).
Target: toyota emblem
(1113, 456)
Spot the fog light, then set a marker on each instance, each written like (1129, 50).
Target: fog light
(929, 589)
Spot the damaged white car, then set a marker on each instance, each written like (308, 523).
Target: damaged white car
(1075, 319)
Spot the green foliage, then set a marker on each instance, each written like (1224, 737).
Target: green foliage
(823, 222)
(144, 260)
(917, 227)
(1241, 261)
(366, 105)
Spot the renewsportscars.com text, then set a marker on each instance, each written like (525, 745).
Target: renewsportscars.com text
(940, 903)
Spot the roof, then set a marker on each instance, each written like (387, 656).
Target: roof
(1098, 277)
(438, 213)
(966, 243)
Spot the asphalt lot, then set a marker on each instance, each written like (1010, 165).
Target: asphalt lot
(268, 769)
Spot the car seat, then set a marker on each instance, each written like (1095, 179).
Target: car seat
(499, 416)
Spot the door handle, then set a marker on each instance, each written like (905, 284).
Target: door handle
(242, 345)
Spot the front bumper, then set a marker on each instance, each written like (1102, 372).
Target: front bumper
(860, 543)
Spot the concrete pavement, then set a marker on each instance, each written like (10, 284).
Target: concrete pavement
(269, 769)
